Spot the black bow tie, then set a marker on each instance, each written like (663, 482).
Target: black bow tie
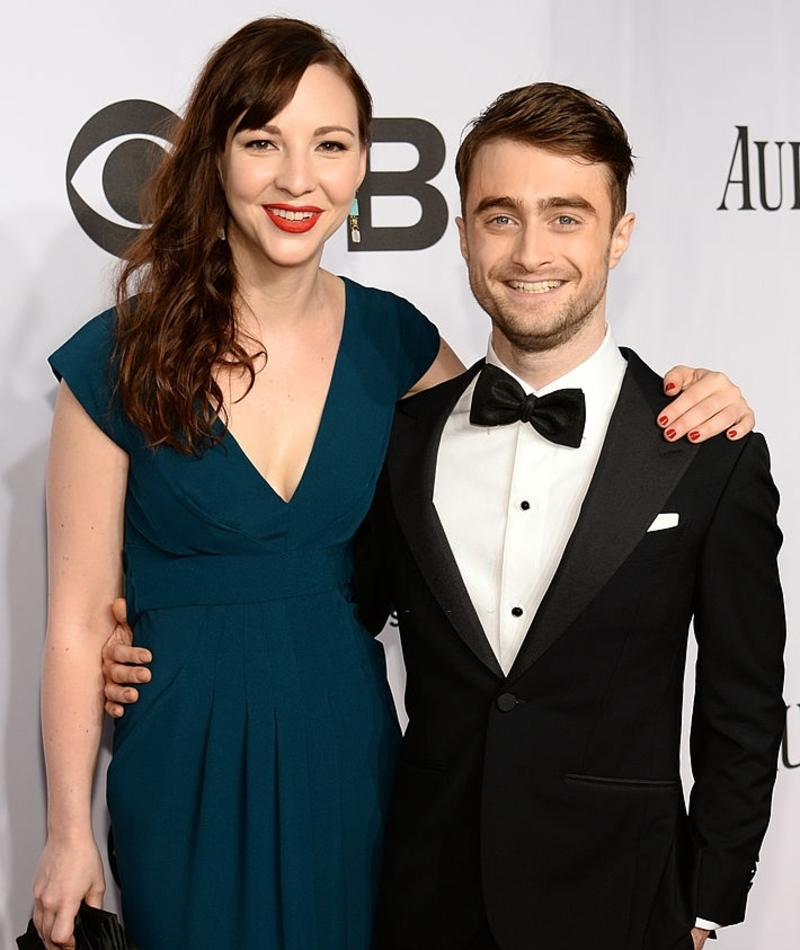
(499, 400)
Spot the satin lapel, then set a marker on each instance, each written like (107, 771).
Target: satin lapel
(636, 473)
(411, 464)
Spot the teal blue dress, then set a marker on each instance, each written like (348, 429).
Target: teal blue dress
(248, 786)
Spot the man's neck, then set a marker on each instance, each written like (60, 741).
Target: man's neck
(538, 369)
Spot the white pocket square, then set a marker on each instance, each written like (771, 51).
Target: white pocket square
(667, 519)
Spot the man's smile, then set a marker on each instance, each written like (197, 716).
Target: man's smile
(534, 286)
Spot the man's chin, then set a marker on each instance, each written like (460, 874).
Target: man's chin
(530, 336)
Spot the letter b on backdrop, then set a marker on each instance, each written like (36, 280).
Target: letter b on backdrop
(415, 183)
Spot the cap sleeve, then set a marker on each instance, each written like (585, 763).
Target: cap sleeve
(85, 363)
(419, 345)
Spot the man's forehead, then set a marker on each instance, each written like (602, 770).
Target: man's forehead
(528, 175)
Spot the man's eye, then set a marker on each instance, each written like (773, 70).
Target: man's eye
(501, 219)
(565, 220)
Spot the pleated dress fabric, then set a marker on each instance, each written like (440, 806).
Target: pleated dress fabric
(248, 785)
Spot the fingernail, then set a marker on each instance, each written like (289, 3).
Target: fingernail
(694, 436)
(670, 433)
(669, 387)
(663, 420)
(732, 433)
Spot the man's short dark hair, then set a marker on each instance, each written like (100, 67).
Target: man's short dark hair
(558, 119)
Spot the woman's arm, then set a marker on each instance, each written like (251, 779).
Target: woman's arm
(444, 367)
(86, 481)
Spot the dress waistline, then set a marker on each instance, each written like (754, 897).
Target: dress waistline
(157, 581)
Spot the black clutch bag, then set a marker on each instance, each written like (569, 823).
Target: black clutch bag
(94, 930)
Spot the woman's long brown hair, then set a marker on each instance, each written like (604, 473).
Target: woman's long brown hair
(176, 290)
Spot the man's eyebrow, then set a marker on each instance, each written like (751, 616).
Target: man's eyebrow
(575, 202)
(507, 203)
(497, 201)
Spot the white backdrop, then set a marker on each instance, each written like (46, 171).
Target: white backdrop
(691, 80)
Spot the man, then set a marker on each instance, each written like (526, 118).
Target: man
(545, 589)
(544, 592)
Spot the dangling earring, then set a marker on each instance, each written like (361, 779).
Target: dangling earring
(221, 236)
(355, 234)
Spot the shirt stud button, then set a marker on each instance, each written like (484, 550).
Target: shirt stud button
(524, 505)
(516, 611)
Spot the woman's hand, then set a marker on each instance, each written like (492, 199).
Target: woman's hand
(707, 404)
(70, 870)
(122, 664)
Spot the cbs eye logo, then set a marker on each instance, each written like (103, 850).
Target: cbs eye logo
(111, 158)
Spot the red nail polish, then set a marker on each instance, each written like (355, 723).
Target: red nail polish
(732, 433)
(694, 436)
(670, 433)
(663, 420)
(669, 387)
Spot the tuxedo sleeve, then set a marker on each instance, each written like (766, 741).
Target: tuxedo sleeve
(739, 713)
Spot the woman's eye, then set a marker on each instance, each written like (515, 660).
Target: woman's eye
(332, 146)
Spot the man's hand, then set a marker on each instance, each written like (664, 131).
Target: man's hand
(707, 404)
(699, 936)
(122, 663)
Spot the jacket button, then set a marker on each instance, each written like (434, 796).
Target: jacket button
(506, 702)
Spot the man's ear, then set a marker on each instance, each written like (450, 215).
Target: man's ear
(620, 238)
(462, 238)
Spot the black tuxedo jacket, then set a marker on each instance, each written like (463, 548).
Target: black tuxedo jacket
(549, 801)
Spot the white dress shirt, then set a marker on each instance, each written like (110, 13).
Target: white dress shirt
(508, 498)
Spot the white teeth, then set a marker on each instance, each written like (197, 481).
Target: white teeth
(291, 215)
(534, 287)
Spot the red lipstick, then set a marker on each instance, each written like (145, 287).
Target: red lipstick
(303, 218)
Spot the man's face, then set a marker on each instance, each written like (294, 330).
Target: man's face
(538, 241)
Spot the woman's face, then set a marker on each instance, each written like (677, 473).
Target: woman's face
(290, 184)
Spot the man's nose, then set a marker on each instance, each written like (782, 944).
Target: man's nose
(533, 248)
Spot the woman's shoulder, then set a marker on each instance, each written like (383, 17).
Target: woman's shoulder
(381, 322)
(85, 362)
(89, 348)
(384, 313)
(373, 299)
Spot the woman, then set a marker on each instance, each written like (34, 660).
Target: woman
(216, 442)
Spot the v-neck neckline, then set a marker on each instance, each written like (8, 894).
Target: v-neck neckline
(231, 438)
